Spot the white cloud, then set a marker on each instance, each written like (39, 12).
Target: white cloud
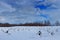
(2, 19)
(27, 13)
(4, 7)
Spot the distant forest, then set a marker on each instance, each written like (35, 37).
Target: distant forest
(45, 23)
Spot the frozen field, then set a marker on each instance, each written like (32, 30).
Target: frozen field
(30, 33)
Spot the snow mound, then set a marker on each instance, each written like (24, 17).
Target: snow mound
(30, 33)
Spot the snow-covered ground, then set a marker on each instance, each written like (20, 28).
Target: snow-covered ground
(30, 33)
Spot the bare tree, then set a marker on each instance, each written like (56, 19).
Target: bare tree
(57, 23)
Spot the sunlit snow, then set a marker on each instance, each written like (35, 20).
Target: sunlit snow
(30, 33)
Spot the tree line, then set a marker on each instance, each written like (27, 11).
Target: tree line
(45, 23)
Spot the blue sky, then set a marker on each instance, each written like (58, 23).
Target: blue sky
(27, 11)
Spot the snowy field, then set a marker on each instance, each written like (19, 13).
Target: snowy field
(30, 33)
